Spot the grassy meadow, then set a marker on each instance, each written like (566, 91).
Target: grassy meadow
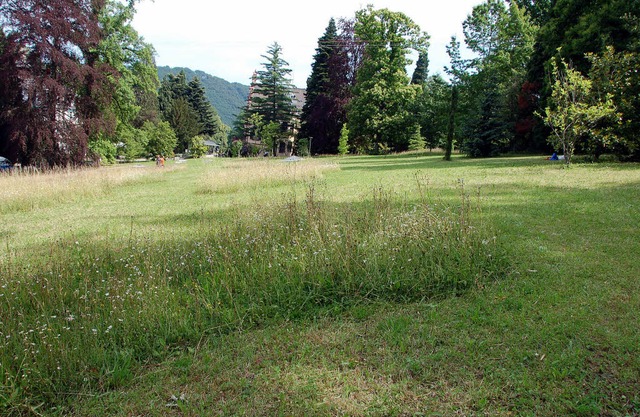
(364, 286)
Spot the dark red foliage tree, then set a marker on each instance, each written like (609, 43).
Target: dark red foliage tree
(329, 88)
(52, 84)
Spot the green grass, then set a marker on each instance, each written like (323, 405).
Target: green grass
(398, 285)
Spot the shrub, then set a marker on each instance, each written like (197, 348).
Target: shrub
(197, 148)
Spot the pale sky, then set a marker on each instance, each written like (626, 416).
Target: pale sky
(227, 39)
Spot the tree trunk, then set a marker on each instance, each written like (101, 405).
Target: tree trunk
(452, 124)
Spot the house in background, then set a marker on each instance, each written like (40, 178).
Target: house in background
(213, 148)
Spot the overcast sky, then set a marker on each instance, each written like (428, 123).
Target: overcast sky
(227, 39)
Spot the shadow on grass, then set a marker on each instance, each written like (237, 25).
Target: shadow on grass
(425, 161)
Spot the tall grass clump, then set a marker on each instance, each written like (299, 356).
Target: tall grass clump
(101, 308)
(26, 190)
(233, 175)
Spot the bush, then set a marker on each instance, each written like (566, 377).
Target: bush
(197, 148)
(103, 150)
(134, 143)
(162, 138)
(302, 147)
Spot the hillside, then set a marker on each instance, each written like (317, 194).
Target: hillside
(226, 97)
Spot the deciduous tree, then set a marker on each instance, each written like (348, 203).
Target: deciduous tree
(575, 112)
(380, 113)
(62, 86)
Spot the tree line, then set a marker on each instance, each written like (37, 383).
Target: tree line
(78, 83)
(546, 76)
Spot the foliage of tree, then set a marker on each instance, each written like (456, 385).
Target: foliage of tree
(381, 112)
(616, 74)
(61, 85)
(421, 71)
(343, 142)
(208, 118)
(184, 121)
(317, 118)
(172, 87)
(330, 87)
(573, 29)
(134, 143)
(104, 151)
(271, 134)
(188, 111)
(577, 112)
(416, 141)
(10, 98)
(457, 73)
(502, 38)
(272, 90)
(434, 111)
(134, 97)
(197, 148)
(161, 138)
(538, 10)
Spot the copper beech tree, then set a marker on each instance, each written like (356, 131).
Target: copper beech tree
(54, 88)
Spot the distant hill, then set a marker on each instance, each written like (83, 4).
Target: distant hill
(227, 98)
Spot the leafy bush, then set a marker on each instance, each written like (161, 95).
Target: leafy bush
(134, 142)
(162, 138)
(104, 150)
(302, 147)
(197, 148)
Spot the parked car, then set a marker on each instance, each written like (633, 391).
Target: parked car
(5, 164)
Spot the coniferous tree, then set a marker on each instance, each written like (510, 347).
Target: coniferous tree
(172, 87)
(210, 122)
(421, 72)
(271, 96)
(343, 68)
(318, 120)
(184, 105)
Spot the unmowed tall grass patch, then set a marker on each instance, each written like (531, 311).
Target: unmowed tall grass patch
(24, 191)
(232, 175)
(101, 308)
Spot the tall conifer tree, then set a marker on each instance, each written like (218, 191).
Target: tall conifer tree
(271, 92)
(319, 123)
(421, 72)
(210, 122)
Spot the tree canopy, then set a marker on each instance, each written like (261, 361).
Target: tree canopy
(271, 95)
(48, 55)
(380, 114)
(77, 82)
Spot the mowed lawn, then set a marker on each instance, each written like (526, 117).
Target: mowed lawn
(555, 332)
